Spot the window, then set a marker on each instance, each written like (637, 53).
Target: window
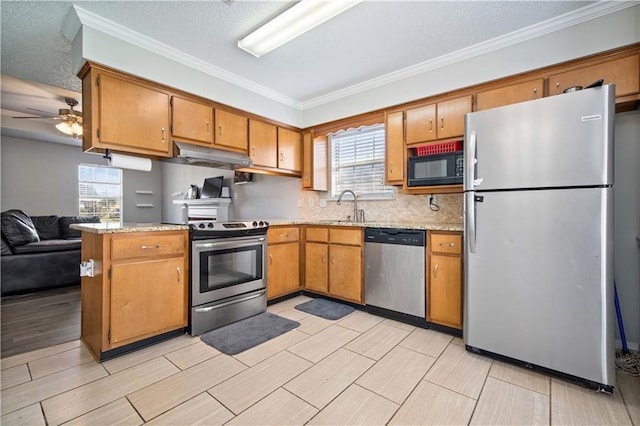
(100, 190)
(357, 162)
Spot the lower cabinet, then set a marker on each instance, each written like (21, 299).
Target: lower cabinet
(139, 289)
(333, 262)
(283, 261)
(444, 287)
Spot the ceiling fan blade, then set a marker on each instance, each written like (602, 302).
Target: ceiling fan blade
(49, 114)
(50, 118)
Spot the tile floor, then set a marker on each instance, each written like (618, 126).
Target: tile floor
(362, 369)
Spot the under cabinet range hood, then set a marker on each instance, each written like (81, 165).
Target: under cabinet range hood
(210, 157)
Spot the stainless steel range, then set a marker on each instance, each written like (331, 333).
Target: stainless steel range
(228, 272)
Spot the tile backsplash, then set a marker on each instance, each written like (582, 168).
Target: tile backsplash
(403, 208)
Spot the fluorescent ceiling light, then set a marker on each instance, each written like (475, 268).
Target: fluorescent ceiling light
(300, 18)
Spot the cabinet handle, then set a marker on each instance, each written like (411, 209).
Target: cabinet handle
(270, 259)
(441, 123)
(557, 88)
(208, 127)
(390, 166)
(281, 157)
(435, 271)
(333, 257)
(220, 130)
(253, 151)
(163, 135)
(157, 246)
(178, 268)
(284, 235)
(535, 93)
(323, 256)
(430, 125)
(446, 245)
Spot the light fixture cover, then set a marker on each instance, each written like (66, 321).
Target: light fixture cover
(70, 127)
(298, 19)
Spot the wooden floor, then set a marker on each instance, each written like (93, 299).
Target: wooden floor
(39, 320)
(361, 369)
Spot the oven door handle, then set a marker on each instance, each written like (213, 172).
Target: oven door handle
(228, 243)
(232, 302)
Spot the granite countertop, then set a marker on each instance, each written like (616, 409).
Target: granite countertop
(371, 224)
(115, 228)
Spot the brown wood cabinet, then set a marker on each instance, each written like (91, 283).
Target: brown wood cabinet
(232, 130)
(191, 120)
(263, 143)
(444, 288)
(307, 160)
(283, 261)
(436, 121)
(394, 148)
(140, 288)
(124, 114)
(289, 150)
(624, 72)
(512, 94)
(333, 262)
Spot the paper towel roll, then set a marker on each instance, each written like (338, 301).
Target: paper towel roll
(122, 161)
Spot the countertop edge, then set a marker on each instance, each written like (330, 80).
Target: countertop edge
(109, 228)
(456, 227)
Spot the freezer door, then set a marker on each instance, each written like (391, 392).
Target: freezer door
(560, 141)
(539, 280)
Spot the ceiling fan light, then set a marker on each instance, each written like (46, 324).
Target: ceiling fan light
(72, 129)
(293, 22)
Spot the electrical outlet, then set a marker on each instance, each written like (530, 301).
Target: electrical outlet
(322, 202)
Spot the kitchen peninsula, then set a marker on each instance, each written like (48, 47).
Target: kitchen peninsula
(137, 289)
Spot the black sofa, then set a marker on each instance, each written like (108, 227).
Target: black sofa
(39, 252)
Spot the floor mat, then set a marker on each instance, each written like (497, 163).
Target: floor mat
(325, 309)
(247, 333)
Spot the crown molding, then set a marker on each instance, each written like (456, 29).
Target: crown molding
(566, 20)
(79, 17)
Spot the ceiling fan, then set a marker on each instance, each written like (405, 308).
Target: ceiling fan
(71, 123)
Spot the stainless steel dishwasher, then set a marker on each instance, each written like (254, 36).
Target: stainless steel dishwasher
(394, 272)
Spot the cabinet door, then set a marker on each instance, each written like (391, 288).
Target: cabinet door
(191, 120)
(451, 117)
(231, 130)
(283, 270)
(444, 302)
(395, 148)
(133, 115)
(263, 144)
(289, 150)
(520, 92)
(307, 161)
(345, 272)
(624, 72)
(421, 124)
(316, 274)
(147, 298)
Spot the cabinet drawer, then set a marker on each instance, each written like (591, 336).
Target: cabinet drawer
(345, 236)
(283, 234)
(446, 243)
(146, 246)
(318, 234)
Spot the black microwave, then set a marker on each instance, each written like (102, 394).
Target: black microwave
(436, 169)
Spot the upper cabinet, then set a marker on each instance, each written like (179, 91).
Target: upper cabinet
(191, 120)
(437, 121)
(394, 150)
(274, 150)
(263, 143)
(515, 93)
(307, 160)
(289, 150)
(232, 130)
(124, 114)
(623, 72)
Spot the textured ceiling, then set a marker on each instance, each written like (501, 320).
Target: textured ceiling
(370, 40)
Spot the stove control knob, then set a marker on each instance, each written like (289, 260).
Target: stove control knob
(210, 225)
(255, 223)
(201, 225)
(261, 223)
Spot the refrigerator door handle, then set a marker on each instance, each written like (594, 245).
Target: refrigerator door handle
(471, 220)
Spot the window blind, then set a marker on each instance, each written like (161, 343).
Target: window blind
(357, 162)
(100, 192)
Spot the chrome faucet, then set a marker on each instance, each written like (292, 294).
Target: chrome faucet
(355, 204)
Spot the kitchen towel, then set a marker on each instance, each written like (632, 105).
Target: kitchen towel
(247, 333)
(325, 309)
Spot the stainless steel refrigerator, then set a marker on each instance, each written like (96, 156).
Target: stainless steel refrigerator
(538, 221)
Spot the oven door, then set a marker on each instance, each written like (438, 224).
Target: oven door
(226, 267)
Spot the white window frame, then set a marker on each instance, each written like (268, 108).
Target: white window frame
(106, 184)
(373, 156)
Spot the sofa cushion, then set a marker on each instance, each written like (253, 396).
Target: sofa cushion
(6, 248)
(46, 246)
(18, 228)
(65, 221)
(47, 227)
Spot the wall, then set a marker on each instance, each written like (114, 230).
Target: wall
(41, 178)
(627, 222)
